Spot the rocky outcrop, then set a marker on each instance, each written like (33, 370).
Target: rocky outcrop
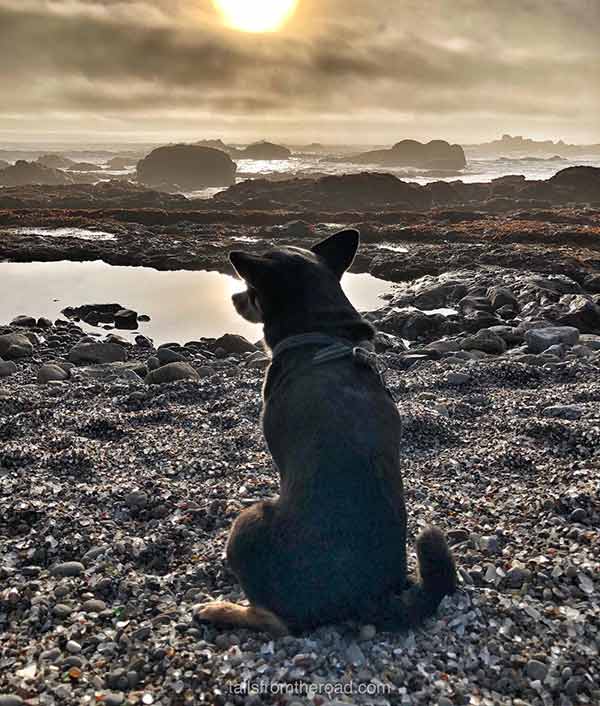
(187, 167)
(437, 154)
(581, 183)
(356, 191)
(55, 161)
(262, 150)
(23, 173)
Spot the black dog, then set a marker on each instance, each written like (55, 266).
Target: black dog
(333, 544)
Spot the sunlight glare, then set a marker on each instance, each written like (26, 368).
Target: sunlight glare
(256, 15)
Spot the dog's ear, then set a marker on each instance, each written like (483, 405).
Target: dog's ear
(251, 268)
(338, 250)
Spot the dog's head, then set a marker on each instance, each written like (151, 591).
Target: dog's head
(291, 290)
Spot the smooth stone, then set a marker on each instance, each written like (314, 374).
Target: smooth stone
(172, 372)
(51, 373)
(24, 321)
(7, 368)
(68, 568)
(10, 700)
(167, 355)
(536, 670)
(97, 353)
(231, 343)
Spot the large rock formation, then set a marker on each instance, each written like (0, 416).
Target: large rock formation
(581, 182)
(263, 150)
(437, 154)
(345, 191)
(23, 173)
(55, 161)
(187, 167)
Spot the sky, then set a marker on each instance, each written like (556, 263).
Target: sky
(339, 71)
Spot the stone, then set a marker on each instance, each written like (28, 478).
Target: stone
(43, 322)
(486, 341)
(171, 373)
(97, 353)
(258, 361)
(15, 345)
(24, 321)
(457, 379)
(94, 606)
(540, 339)
(232, 343)
(51, 373)
(126, 319)
(167, 355)
(583, 314)
(24, 173)
(7, 368)
(502, 296)
(578, 515)
(68, 568)
(10, 700)
(536, 670)
(153, 363)
(263, 151)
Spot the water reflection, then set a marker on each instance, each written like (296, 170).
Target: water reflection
(184, 305)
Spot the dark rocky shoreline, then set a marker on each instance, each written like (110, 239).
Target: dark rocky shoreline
(122, 466)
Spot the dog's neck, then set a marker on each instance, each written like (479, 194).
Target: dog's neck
(347, 324)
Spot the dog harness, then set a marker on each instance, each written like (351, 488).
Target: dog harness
(332, 349)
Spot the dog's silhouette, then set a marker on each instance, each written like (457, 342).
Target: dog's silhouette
(333, 544)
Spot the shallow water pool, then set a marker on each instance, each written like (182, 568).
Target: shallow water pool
(183, 305)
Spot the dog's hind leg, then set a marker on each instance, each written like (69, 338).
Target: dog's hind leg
(231, 614)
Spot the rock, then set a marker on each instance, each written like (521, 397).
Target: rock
(456, 536)
(368, 632)
(578, 183)
(167, 355)
(43, 322)
(258, 361)
(187, 166)
(363, 191)
(437, 154)
(540, 339)
(536, 670)
(24, 321)
(171, 373)
(143, 341)
(457, 378)
(153, 363)
(7, 368)
(73, 647)
(23, 173)
(68, 568)
(486, 341)
(517, 576)
(94, 606)
(583, 314)
(263, 150)
(231, 343)
(15, 345)
(51, 373)
(572, 411)
(126, 319)
(10, 700)
(137, 499)
(502, 296)
(97, 353)
(113, 699)
(578, 515)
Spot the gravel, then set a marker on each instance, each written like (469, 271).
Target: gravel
(116, 499)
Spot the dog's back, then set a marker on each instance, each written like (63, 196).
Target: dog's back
(333, 544)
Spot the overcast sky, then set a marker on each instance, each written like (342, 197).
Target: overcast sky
(365, 71)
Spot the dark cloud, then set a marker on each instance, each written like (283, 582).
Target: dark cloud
(376, 70)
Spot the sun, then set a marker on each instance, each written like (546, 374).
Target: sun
(256, 15)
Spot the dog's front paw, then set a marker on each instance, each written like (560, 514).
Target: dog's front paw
(219, 612)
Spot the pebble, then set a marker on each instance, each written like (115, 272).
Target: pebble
(457, 378)
(73, 647)
(69, 568)
(536, 670)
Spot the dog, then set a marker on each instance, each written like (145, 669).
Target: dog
(332, 546)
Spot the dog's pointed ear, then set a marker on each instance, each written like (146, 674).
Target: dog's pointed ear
(338, 250)
(251, 268)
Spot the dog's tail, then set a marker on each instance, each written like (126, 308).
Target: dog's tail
(437, 574)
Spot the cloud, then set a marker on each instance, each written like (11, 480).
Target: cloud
(390, 69)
